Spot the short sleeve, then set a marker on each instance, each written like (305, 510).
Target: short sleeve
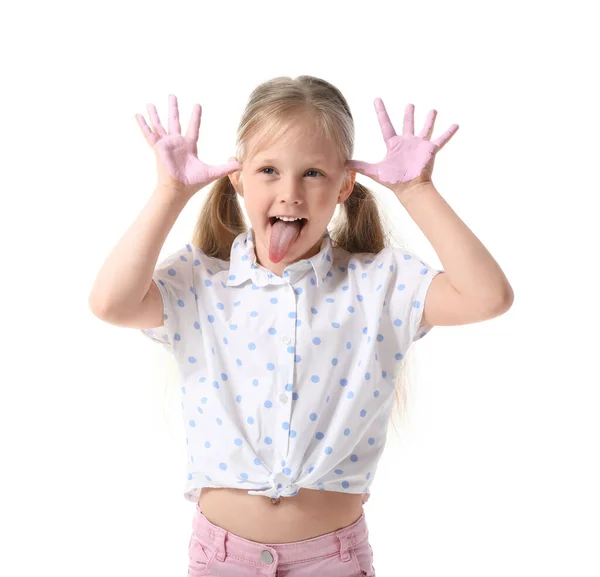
(411, 279)
(174, 277)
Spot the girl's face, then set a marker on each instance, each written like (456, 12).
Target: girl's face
(303, 178)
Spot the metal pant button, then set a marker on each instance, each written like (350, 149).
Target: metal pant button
(267, 557)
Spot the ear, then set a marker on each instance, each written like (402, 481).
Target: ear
(236, 178)
(346, 191)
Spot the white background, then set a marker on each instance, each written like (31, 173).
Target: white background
(496, 471)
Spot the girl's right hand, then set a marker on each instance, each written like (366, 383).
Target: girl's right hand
(178, 166)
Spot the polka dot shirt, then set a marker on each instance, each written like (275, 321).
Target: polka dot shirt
(288, 382)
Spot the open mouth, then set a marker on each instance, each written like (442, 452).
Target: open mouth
(272, 220)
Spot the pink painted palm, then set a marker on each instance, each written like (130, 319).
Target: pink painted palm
(178, 165)
(409, 158)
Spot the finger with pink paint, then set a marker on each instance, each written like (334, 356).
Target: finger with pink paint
(409, 159)
(177, 162)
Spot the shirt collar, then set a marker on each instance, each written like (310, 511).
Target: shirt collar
(243, 265)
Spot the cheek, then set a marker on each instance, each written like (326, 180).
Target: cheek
(326, 201)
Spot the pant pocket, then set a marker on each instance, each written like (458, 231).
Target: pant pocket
(200, 557)
(364, 559)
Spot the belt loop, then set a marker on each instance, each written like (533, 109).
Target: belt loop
(346, 543)
(218, 539)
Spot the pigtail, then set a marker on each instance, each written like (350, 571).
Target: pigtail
(359, 227)
(220, 221)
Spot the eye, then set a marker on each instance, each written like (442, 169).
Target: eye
(270, 168)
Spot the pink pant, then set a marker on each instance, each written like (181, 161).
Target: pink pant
(215, 552)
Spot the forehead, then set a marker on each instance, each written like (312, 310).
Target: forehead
(276, 142)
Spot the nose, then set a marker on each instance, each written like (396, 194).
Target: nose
(291, 192)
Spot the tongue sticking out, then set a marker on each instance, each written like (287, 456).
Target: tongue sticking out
(283, 235)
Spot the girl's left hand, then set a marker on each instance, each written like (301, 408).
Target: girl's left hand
(409, 159)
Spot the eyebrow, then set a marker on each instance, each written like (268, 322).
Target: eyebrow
(309, 161)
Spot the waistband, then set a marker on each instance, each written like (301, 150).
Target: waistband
(340, 541)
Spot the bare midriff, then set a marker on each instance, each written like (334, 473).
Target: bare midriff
(308, 514)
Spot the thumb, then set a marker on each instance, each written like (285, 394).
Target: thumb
(362, 167)
(220, 171)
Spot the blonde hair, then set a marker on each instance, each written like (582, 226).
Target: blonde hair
(272, 107)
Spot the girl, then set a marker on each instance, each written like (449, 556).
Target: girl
(289, 338)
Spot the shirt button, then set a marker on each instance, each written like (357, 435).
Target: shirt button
(283, 398)
(287, 340)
